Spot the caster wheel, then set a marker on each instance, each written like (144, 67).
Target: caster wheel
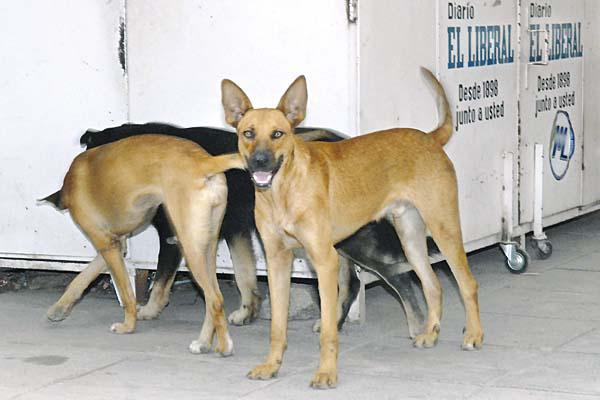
(543, 248)
(519, 261)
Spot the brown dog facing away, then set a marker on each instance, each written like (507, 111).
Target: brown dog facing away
(113, 192)
(313, 195)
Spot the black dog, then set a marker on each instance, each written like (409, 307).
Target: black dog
(375, 247)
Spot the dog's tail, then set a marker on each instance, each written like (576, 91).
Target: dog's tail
(319, 135)
(217, 164)
(443, 132)
(87, 137)
(55, 199)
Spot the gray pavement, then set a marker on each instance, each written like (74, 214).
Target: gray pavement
(542, 341)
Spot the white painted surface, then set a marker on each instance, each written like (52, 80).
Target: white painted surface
(591, 103)
(59, 75)
(537, 127)
(63, 77)
(179, 53)
(392, 48)
(478, 145)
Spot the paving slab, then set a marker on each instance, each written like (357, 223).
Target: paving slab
(542, 341)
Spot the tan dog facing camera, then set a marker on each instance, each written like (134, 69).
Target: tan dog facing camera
(314, 195)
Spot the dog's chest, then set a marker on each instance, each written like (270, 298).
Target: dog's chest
(284, 214)
(286, 230)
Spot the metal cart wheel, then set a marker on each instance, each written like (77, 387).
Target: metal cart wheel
(542, 247)
(517, 259)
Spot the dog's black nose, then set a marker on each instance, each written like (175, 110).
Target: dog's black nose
(261, 160)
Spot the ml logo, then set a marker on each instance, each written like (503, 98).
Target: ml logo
(562, 144)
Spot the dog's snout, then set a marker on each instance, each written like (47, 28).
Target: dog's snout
(261, 159)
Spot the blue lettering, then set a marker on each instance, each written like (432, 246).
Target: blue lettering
(471, 61)
(461, 57)
(559, 141)
(451, 57)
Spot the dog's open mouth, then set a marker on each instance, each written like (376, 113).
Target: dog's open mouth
(264, 179)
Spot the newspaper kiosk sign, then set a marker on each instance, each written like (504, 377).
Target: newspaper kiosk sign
(477, 64)
(562, 144)
(551, 102)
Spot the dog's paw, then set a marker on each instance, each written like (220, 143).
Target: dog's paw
(324, 380)
(472, 340)
(316, 328)
(241, 316)
(149, 311)
(200, 347)
(247, 312)
(121, 328)
(225, 346)
(426, 340)
(264, 371)
(57, 312)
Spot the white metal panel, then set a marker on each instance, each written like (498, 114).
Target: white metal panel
(477, 67)
(591, 103)
(179, 53)
(545, 83)
(59, 75)
(396, 38)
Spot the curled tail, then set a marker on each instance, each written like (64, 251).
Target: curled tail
(86, 139)
(55, 199)
(319, 135)
(443, 132)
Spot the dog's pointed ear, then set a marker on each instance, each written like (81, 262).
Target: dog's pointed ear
(235, 102)
(293, 102)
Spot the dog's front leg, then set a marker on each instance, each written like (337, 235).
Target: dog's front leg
(324, 258)
(279, 269)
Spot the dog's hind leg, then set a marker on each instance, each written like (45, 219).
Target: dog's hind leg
(402, 284)
(62, 308)
(217, 323)
(446, 232)
(244, 267)
(169, 258)
(224, 347)
(197, 223)
(348, 288)
(204, 342)
(412, 232)
(111, 247)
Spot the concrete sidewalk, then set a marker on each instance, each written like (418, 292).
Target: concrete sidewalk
(542, 341)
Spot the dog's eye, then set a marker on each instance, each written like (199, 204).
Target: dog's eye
(249, 134)
(277, 134)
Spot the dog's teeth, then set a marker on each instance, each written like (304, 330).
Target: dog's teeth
(262, 177)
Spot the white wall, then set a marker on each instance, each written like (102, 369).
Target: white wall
(59, 74)
(591, 104)
(180, 51)
(396, 38)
